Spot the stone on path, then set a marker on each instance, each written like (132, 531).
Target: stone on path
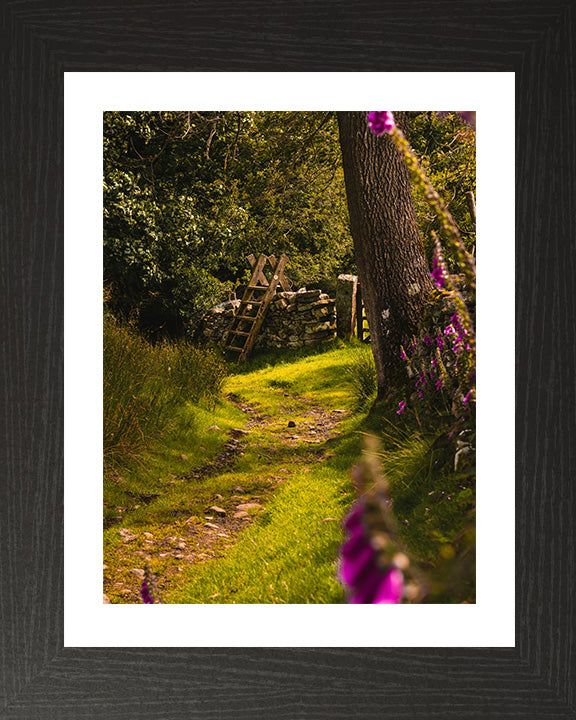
(248, 506)
(127, 535)
(218, 510)
(240, 514)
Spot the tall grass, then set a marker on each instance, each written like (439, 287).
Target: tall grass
(144, 384)
(362, 371)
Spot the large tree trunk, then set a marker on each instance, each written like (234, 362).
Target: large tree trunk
(392, 270)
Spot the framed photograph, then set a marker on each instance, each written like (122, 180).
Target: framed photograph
(66, 654)
(87, 97)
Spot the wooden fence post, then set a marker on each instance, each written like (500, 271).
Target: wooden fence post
(346, 306)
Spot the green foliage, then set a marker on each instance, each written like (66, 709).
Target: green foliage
(446, 149)
(188, 195)
(429, 456)
(143, 384)
(433, 502)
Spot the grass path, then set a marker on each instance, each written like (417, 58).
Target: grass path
(244, 503)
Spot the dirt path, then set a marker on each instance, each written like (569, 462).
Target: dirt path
(197, 539)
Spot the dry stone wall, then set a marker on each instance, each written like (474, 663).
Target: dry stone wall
(294, 320)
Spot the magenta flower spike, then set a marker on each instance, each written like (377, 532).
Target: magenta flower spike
(380, 121)
(391, 589)
(360, 571)
(145, 594)
(438, 273)
(401, 407)
(148, 590)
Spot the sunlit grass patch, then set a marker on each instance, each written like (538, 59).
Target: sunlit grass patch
(289, 556)
(321, 376)
(132, 487)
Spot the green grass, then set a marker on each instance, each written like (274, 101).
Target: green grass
(145, 384)
(320, 373)
(433, 504)
(363, 374)
(288, 554)
(145, 489)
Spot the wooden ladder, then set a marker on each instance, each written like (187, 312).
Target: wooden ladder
(250, 313)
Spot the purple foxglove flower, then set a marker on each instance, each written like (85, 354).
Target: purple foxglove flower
(438, 274)
(366, 581)
(401, 407)
(148, 591)
(390, 591)
(403, 355)
(380, 121)
(145, 593)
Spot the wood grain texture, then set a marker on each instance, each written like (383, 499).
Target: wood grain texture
(41, 40)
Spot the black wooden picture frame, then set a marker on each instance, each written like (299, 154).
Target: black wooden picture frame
(39, 678)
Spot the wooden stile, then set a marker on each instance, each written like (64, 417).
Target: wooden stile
(246, 323)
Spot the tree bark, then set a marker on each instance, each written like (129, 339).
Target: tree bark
(393, 273)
